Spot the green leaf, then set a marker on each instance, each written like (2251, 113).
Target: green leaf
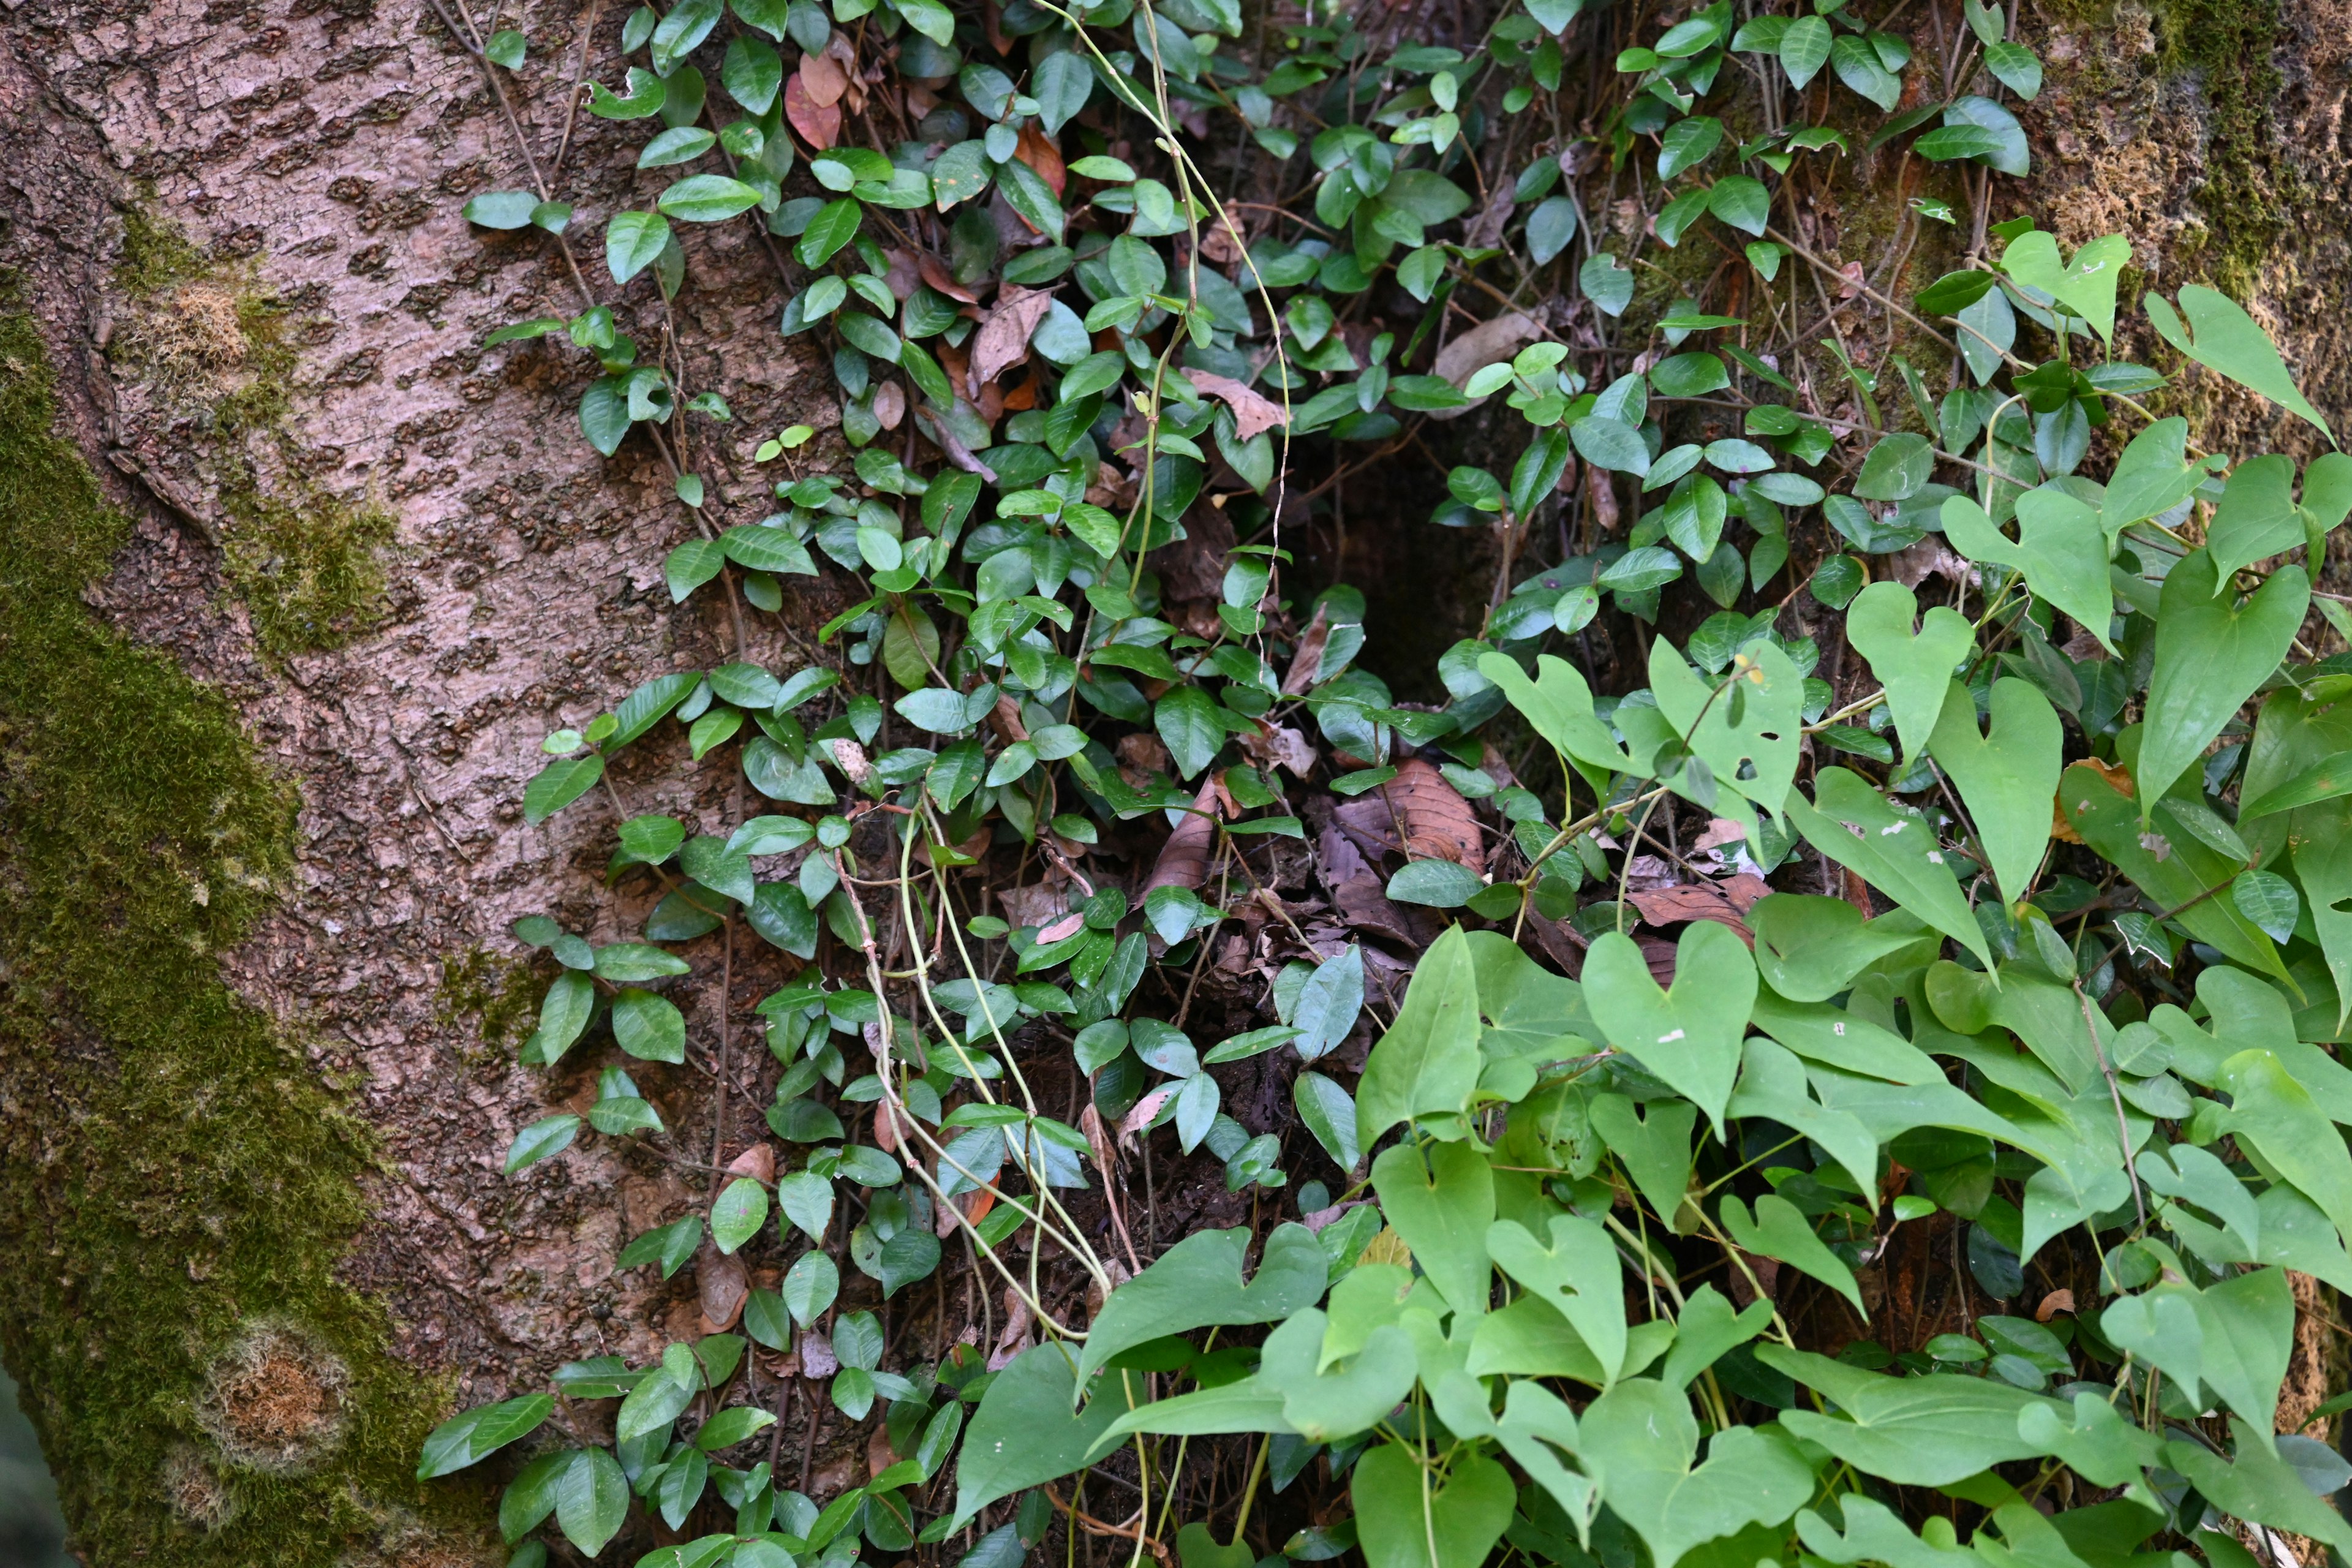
(1329, 1111)
(1574, 1271)
(2269, 900)
(1897, 467)
(2258, 1485)
(632, 242)
(1428, 1061)
(2058, 547)
(1443, 1209)
(2152, 477)
(1025, 1432)
(2211, 655)
(1324, 1404)
(1805, 49)
(2226, 339)
(1689, 1035)
(1550, 227)
(649, 1028)
(730, 1426)
(1857, 64)
(591, 1500)
(1779, 1230)
(1916, 1431)
(1198, 1283)
(502, 209)
(1809, 948)
(1687, 143)
(1401, 1512)
(2170, 865)
(1895, 852)
(1611, 444)
(1751, 744)
(560, 783)
(476, 1434)
(550, 1135)
(2085, 285)
(1438, 884)
(834, 225)
(1639, 1441)
(2008, 778)
(767, 550)
(1654, 1145)
(811, 1285)
(1187, 722)
(2273, 1113)
(1559, 705)
(1742, 201)
(739, 1214)
(1607, 282)
(806, 1200)
(707, 198)
(1915, 668)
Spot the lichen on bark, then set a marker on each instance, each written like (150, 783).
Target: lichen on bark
(179, 1183)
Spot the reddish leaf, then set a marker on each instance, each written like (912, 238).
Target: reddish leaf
(818, 123)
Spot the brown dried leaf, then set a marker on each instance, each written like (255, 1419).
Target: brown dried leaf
(878, 1455)
(1140, 756)
(1275, 745)
(1221, 245)
(1484, 344)
(758, 1161)
(1307, 661)
(1037, 150)
(2052, 1304)
(890, 405)
(721, 1286)
(1184, 859)
(817, 1359)
(1099, 1139)
(1726, 902)
(1131, 1125)
(823, 79)
(1431, 818)
(818, 123)
(934, 273)
(1253, 411)
(1003, 340)
(1061, 930)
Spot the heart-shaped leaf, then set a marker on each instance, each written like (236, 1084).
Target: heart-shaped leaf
(1575, 1272)
(1328, 1405)
(1894, 851)
(1198, 1282)
(2257, 516)
(1441, 1209)
(1428, 1061)
(1406, 1520)
(1915, 667)
(1688, 1035)
(1809, 948)
(2007, 779)
(2085, 285)
(1750, 741)
(1026, 1431)
(2058, 547)
(1639, 1441)
(2211, 655)
(1779, 1230)
(2228, 341)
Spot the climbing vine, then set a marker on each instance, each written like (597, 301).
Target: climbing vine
(1943, 1175)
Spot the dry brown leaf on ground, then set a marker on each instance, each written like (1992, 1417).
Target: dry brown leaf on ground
(1431, 818)
(1138, 1117)
(1037, 150)
(823, 79)
(1726, 902)
(818, 123)
(1253, 411)
(1184, 859)
(1306, 662)
(720, 1285)
(1003, 340)
(817, 1359)
(1274, 745)
(1484, 344)
(934, 273)
(758, 1161)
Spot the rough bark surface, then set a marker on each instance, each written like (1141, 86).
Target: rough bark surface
(266, 1241)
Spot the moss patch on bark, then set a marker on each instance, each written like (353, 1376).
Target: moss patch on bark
(177, 1183)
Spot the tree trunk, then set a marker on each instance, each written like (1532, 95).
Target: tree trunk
(294, 576)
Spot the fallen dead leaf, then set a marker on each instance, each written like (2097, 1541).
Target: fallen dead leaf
(1431, 816)
(817, 1359)
(2052, 1304)
(1140, 756)
(1276, 746)
(1254, 412)
(878, 1455)
(758, 1161)
(1003, 340)
(1061, 930)
(1484, 344)
(1131, 1125)
(1221, 244)
(818, 123)
(1037, 150)
(890, 405)
(720, 1285)
(1099, 1139)
(1307, 661)
(1726, 902)
(935, 272)
(1184, 859)
(823, 79)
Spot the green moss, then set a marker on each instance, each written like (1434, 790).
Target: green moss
(2247, 199)
(495, 995)
(173, 1176)
(155, 254)
(311, 570)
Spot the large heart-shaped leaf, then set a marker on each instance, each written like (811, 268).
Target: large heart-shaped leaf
(1330, 1404)
(1914, 1431)
(1809, 948)
(1559, 705)
(2227, 340)
(1574, 1271)
(1198, 1282)
(1916, 668)
(1639, 1439)
(1894, 851)
(2058, 547)
(1406, 1520)
(1781, 1230)
(1428, 1061)
(2211, 655)
(2008, 778)
(1688, 1035)
(2085, 285)
(2257, 515)
(1441, 1209)
(1026, 1431)
(1750, 741)
(2152, 477)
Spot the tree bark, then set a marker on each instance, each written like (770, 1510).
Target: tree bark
(293, 578)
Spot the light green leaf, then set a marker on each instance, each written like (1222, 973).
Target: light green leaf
(2226, 339)
(2006, 778)
(1428, 1061)
(1915, 668)
(2257, 516)
(2085, 285)
(1401, 1511)
(1895, 852)
(1027, 1432)
(739, 1214)
(1914, 1431)
(2258, 1485)
(1750, 743)
(2167, 864)
(2058, 547)
(1198, 1282)
(2275, 1114)
(1779, 1230)
(476, 1434)
(1639, 1439)
(1328, 1405)
(1187, 722)
(1575, 1273)
(1708, 1327)
(1441, 1209)
(1809, 948)
(2211, 655)
(1559, 705)
(1654, 1145)
(2151, 478)
(1688, 1035)
(591, 1500)
(1329, 1111)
